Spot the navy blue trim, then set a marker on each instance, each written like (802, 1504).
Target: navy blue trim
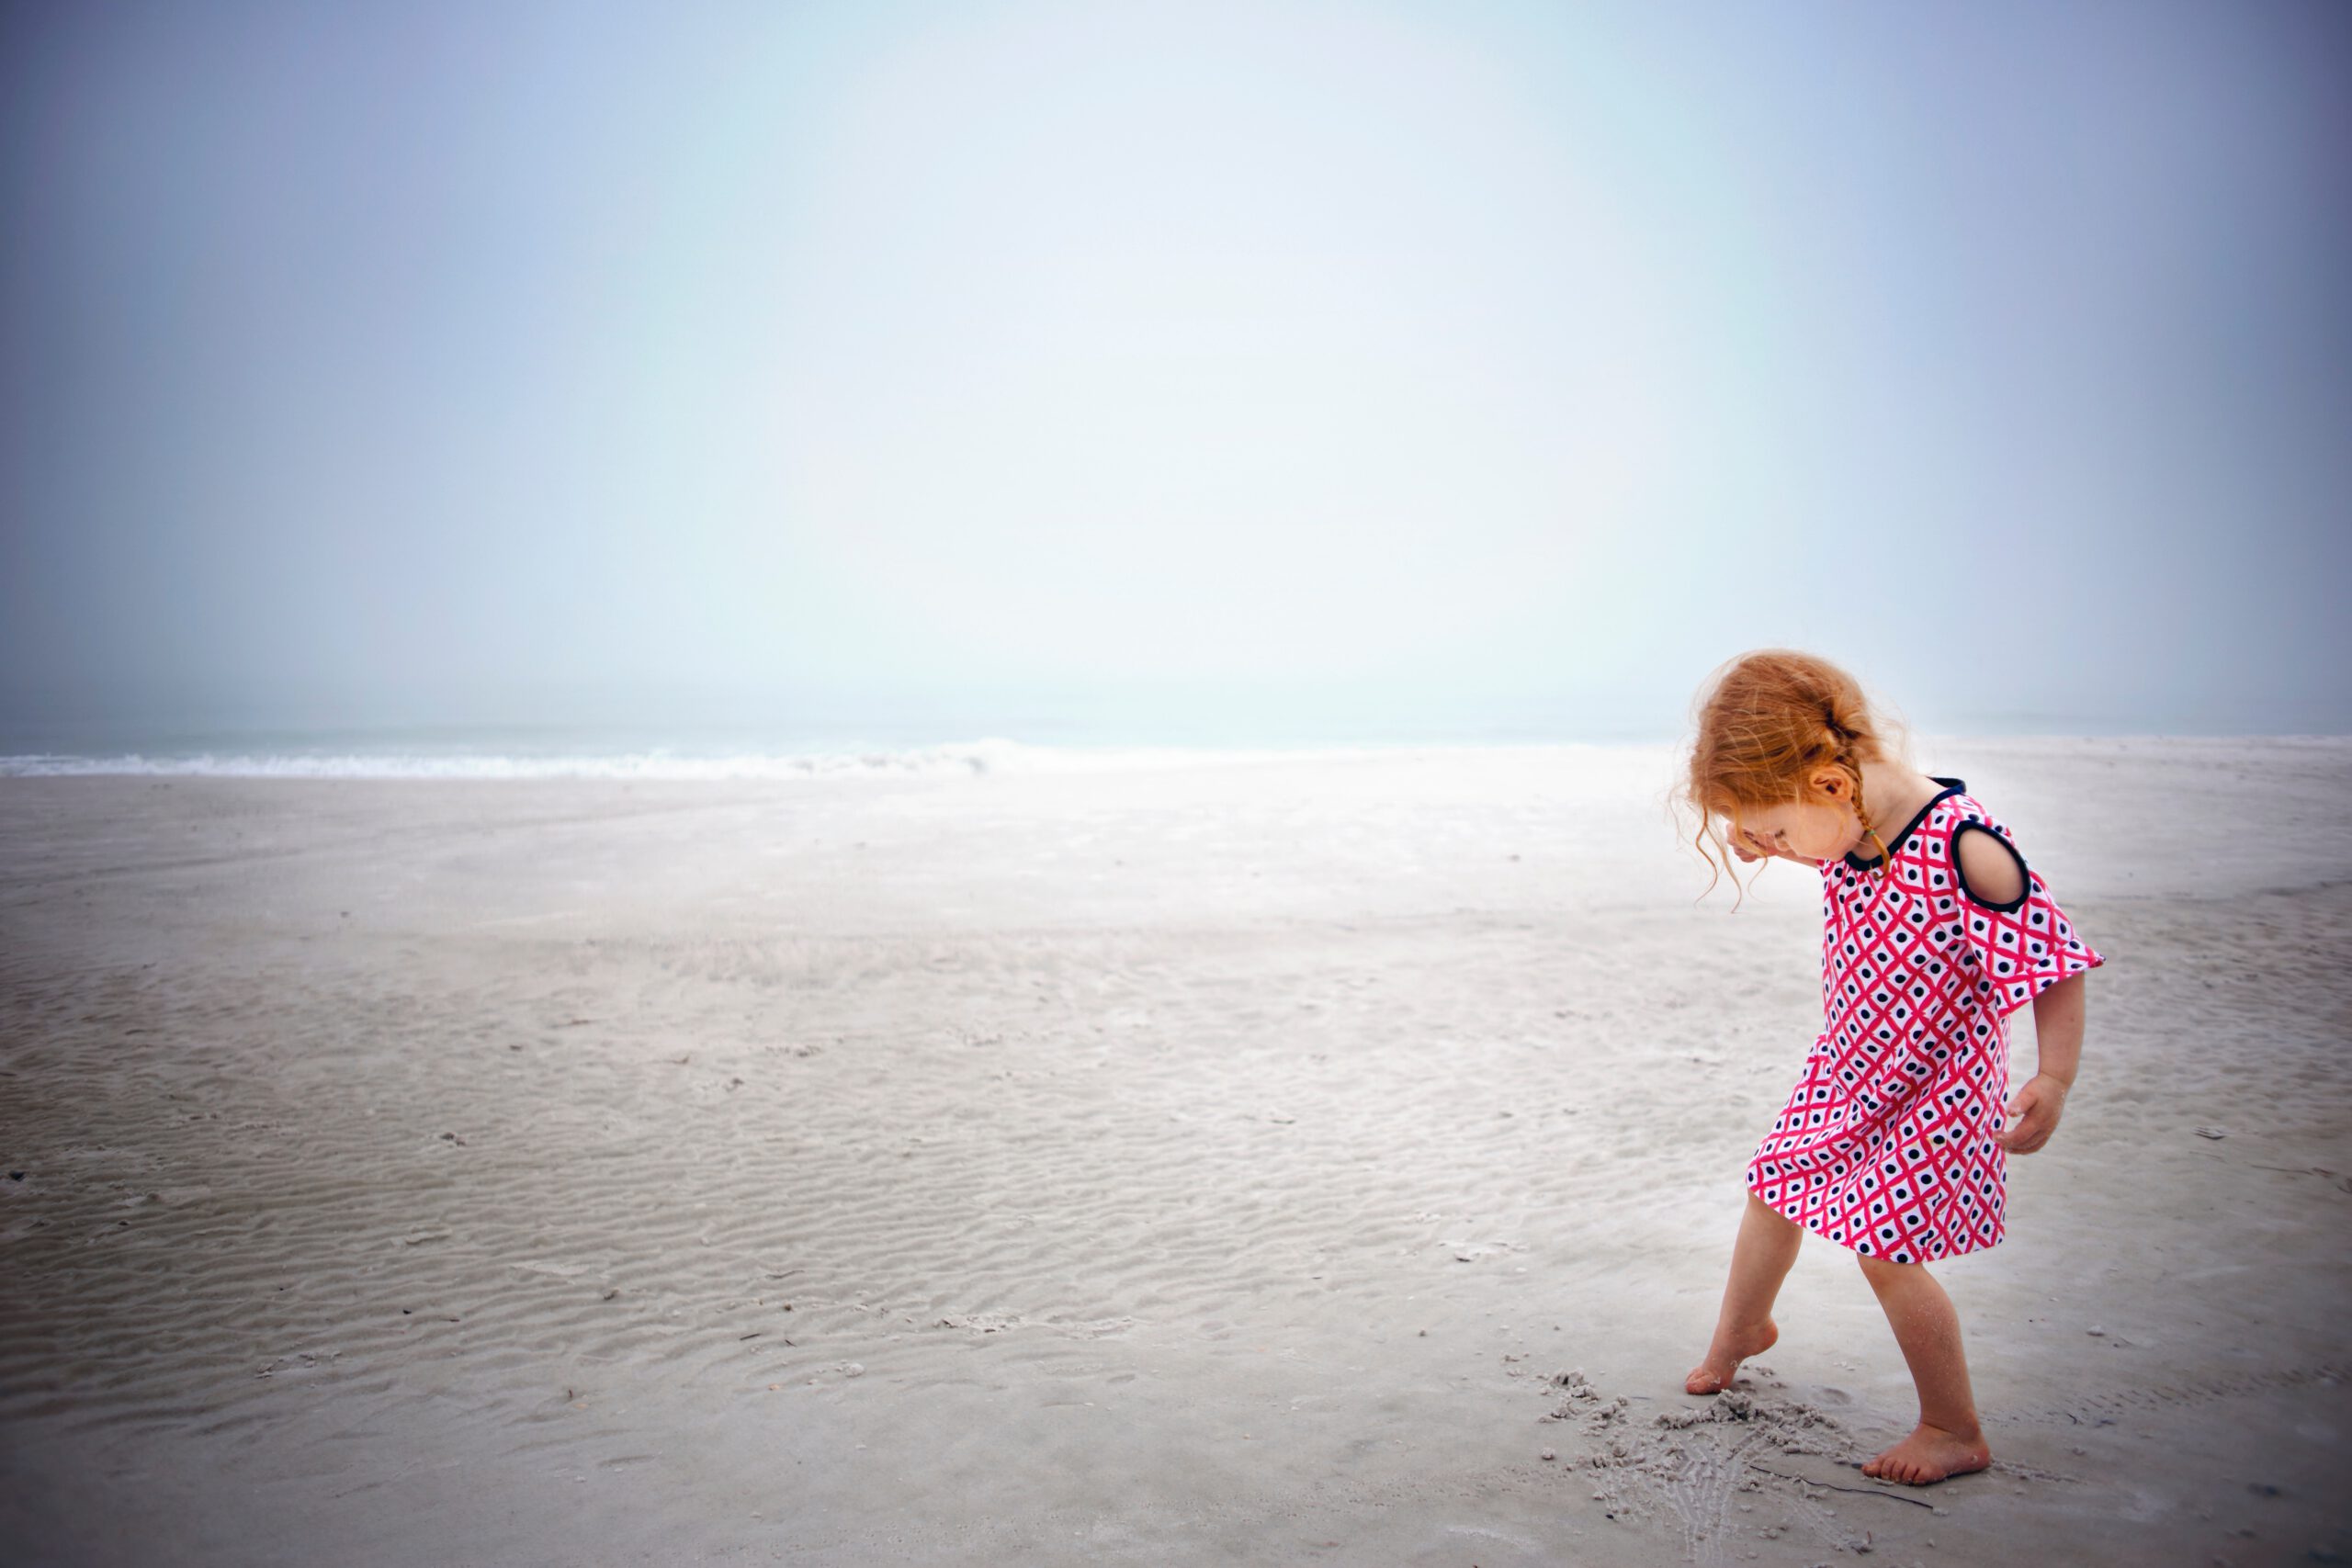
(1960, 875)
(1951, 787)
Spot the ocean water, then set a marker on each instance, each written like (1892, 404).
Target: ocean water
(652, 748)
(836, 738)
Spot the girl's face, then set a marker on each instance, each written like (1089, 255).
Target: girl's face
(1820, 828)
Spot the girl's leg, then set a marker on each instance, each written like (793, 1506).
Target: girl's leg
(1947, 1441)
(1760, 1261)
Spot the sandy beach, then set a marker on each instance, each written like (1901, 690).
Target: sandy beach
(1237, 1161)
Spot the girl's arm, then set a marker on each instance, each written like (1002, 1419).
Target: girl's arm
(2058, 1035)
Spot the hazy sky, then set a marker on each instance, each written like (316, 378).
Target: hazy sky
(493, 360)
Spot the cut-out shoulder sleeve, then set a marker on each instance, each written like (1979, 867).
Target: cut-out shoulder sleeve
(1991, 870)
(2024, 944)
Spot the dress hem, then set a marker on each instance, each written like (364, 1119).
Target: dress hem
(2000, 1233)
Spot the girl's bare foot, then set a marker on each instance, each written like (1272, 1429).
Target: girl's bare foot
(1728, 1349)
(1929, 1454)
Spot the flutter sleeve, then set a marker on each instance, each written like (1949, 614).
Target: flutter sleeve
(2024, 946)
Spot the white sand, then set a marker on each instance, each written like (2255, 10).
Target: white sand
(1199, 1165)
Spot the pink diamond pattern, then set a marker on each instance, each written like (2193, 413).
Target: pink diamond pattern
(1887, 1143)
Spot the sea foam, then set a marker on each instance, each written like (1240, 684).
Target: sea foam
(967, 758)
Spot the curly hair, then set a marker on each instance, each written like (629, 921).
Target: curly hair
(1764, 723)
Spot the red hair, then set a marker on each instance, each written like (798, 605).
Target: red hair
(1764, 724)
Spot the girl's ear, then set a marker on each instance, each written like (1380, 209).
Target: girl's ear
(1831, 785)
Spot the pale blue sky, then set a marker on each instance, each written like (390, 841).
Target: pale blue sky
(1494, 364)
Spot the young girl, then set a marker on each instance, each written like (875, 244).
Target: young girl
(1894, 1141)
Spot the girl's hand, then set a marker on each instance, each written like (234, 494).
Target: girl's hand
(2033, 1114)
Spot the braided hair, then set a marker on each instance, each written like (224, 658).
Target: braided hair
(1765, 723)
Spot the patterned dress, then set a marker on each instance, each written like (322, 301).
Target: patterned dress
(1887, 1147)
